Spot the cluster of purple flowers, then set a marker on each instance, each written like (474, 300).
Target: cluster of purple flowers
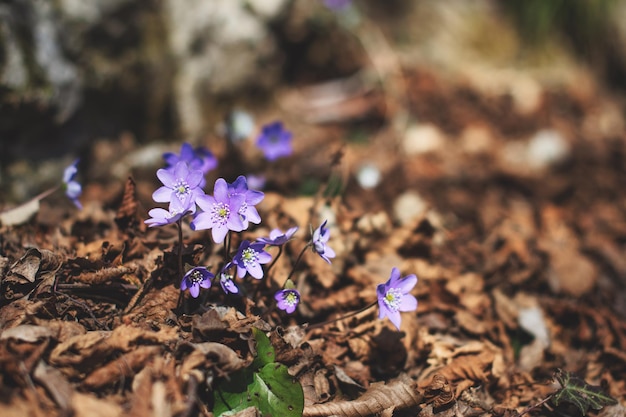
(231, 208)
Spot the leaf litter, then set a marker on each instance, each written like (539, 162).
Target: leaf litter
(521, 275)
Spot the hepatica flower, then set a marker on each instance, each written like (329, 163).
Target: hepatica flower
(287, 300)
(72, 188)
(226, 280)
(394, 296)
(278, 237)
(337, 5)
(162, 217)
(319, 240)
(220, 212)
(196, 278)
(247, 211)
(274, 141)
(200, 159)
(179, 183)
(249, 258)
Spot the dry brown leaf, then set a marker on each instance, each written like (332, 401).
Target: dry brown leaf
(121, 368)
(210, 354)
(88, 405)
(126, 216)
(27, 333)
(400, 393)
(20, 214)
(104, 275)
(569, 271)
(56, 384)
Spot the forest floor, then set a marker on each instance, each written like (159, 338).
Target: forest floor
(511, 212)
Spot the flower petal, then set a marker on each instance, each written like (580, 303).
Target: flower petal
(219, 233)
(166, 177)
(194, 290)
(407, 283)
(395, 318)
(162, 195)
(408, 303)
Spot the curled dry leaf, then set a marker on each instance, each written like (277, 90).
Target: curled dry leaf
(210, 354)
(439, 392)
(398, 394)
(105, 275)
(123, 367)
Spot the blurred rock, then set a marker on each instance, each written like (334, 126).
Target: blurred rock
(423, 138)
(408, 207)
(543, 150)
(96, 68)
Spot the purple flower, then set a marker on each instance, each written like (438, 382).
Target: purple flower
(287, 300)
(249, 258)
(274, 141)
(226, 280)
(220, 212)
(319, 240)
(161, 217)
(337, 5)
(194, 279)
(277, 237)
(247, 211)
(394, 297)
(72, 188)
(256, 181)
(179, 183)
(200, 159)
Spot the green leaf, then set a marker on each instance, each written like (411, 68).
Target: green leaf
(272, 390)
(264, 350)
(264, 384)
(576, 391)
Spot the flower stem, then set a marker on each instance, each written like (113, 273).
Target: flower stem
(295, 265)
(347, 316)
(280, 252)
(227, 246)
(180, 261)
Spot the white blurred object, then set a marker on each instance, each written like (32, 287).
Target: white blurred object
(368, 176)
(546, 148)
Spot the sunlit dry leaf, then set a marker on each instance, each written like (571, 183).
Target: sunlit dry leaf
(121, 368)
(400, 393)
(105, 275)
(20, 214)
(89, 405)
(27, 333)
(56, 384)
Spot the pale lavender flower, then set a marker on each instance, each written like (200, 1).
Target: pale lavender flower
(274, 141)
(319, 240)
(247, 211)
(200, 159)
(278, 237)
(227, 280)
(179, 183)
(337, 5)
(287, 300)
(249, 258)
(256, 182)
(220, 212)
(194, 279)
(73, 189)
(394, 296)
(162, 217)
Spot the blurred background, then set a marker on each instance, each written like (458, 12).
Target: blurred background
(87, 77)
